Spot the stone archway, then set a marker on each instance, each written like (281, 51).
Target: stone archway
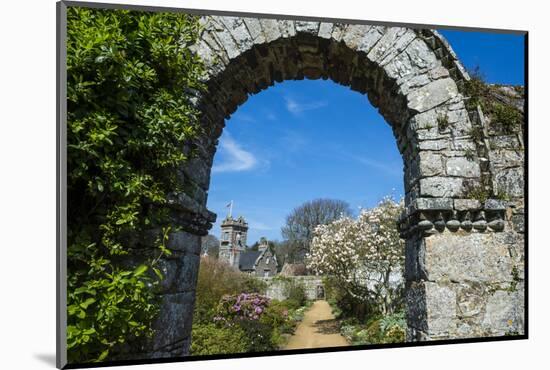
(460, 251)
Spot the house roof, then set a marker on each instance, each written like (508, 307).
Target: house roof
(248, 260)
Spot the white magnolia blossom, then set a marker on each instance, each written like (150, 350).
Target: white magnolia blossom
(362, 254)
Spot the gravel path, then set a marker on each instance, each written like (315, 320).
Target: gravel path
(318, 329)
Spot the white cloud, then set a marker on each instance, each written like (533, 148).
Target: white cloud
(271, 116)
(392, 169)
(296, 108)
(257, 225)
(233, 157)
(293, 141)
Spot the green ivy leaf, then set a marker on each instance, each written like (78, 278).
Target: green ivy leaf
(140, 270)
(87, 302)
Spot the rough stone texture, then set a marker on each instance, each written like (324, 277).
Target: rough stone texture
(467, 204)
(441, 187)
(482, 257)
(432, 95)
(473, 283)
(462, 167)
(415, 80)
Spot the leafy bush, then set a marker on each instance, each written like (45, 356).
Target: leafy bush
(231, 299)
(397, 319)
(262, 337)
(130, 81)
(277, 315)
(261, 321)
(210, 339)
(395, 334)
(215, 280)
(234, 309)
(385, 329)
(343, 304)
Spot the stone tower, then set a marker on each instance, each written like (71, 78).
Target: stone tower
(233, 240)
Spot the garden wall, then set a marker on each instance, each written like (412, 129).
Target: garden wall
(276, 286)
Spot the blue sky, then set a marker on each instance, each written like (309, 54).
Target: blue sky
(301, 140)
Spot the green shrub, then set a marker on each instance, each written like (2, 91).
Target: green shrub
(298, 314)
(210, 339)
(129, 114)
(215, 280)
(377, 330)
(294, 290)
(475, 89)
(296, 294)
(278, 315)
(397, 319)
(244, 306)
(507, 116)
(261, 320)
(219, 287)
(395, 334)
(260, 335)
(343, 304)
(394, 327)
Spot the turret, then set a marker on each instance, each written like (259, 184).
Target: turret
(233, 239)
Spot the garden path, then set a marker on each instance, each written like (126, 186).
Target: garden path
(318, 329)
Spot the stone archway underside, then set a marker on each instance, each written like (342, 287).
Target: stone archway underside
(462, 255)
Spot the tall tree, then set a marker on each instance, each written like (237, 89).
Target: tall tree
(211, 245)
(302, 221)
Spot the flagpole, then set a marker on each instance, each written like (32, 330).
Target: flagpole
(230, 209)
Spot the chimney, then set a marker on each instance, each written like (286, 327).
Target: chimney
(263, 244)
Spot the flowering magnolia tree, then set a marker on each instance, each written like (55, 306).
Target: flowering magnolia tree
(364, 256)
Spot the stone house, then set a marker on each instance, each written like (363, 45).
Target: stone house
(233, 249)
(261, 262)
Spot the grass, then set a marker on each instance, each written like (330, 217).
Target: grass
(442, 122)
(479, 193)
(506, 118)
(476, 133)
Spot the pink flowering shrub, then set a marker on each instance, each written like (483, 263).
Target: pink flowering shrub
(262, 320)
(244, 306)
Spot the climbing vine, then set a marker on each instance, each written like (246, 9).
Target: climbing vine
(130, 83)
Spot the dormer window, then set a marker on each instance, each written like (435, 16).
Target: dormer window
(267, 261)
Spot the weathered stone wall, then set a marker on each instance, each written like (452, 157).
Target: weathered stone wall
(416, 81)
(276, 287)
(472, 286)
